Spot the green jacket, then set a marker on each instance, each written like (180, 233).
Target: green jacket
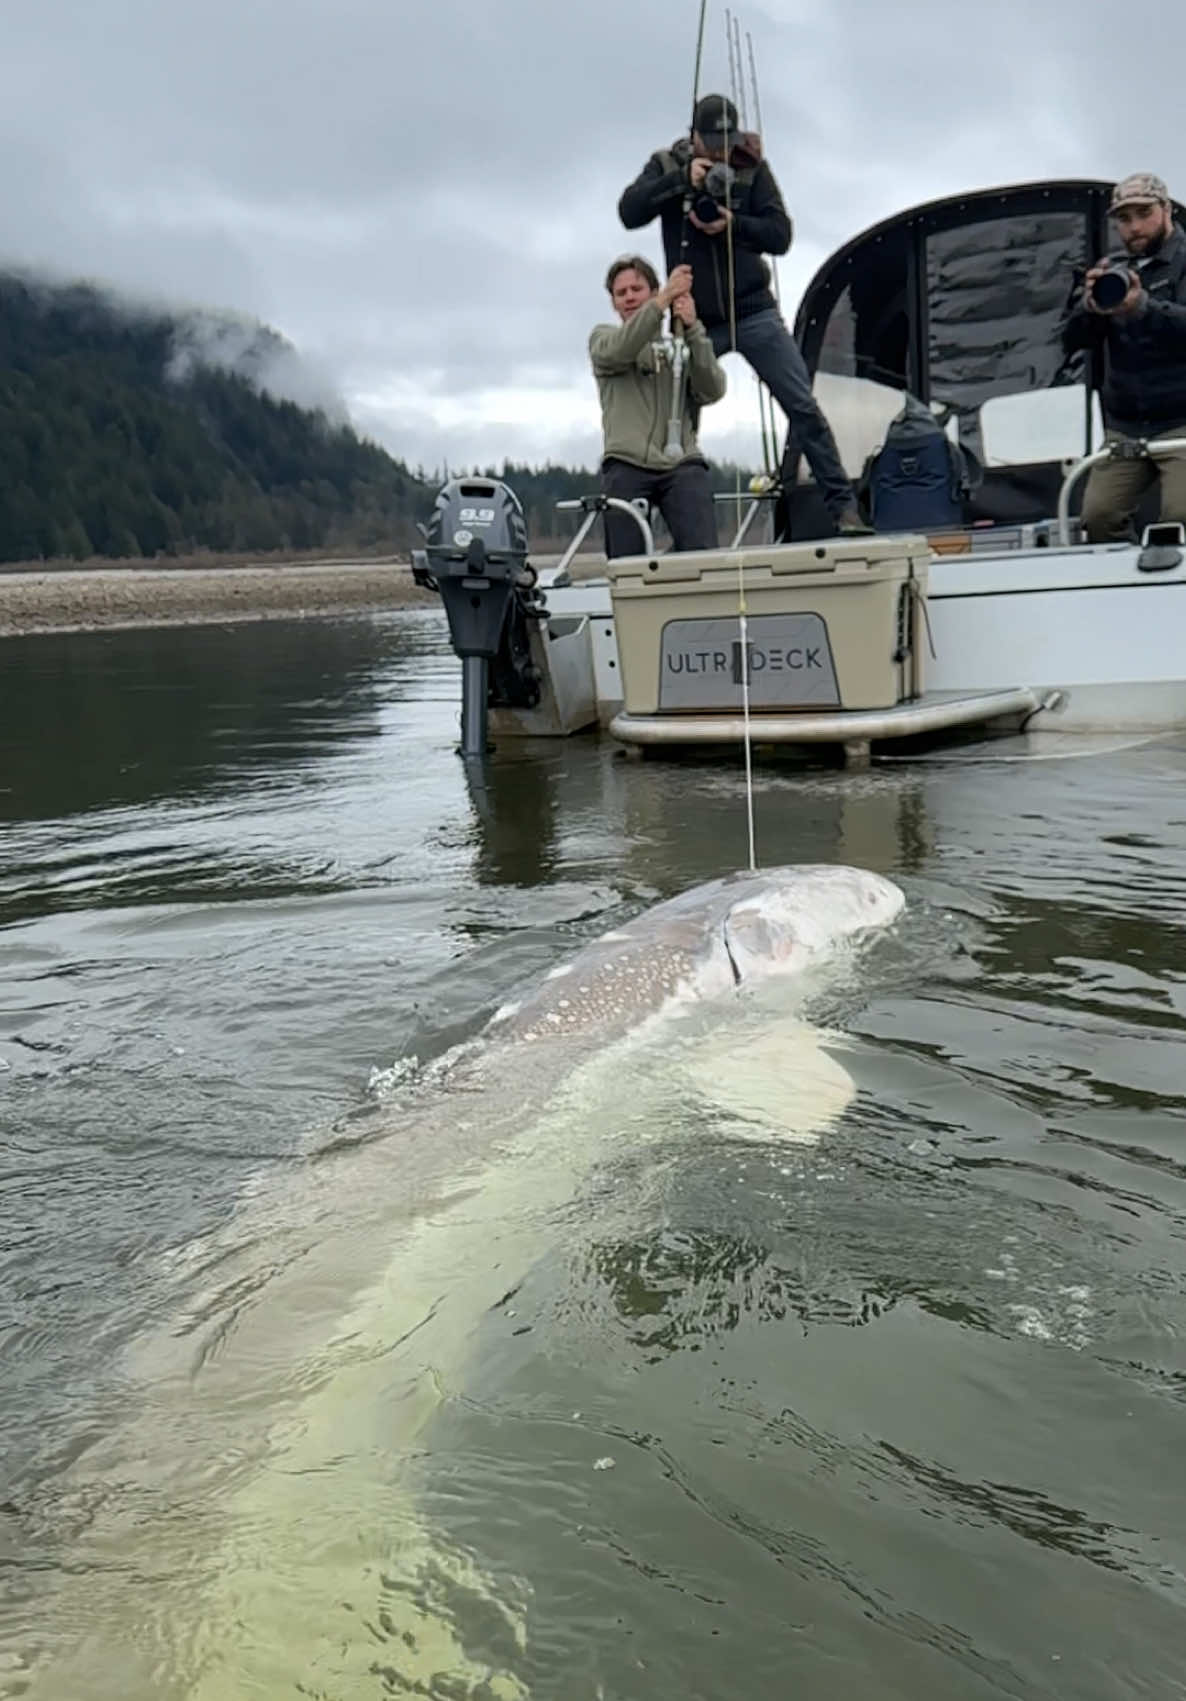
(636, 388)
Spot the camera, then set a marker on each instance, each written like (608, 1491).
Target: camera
(718, 180)
(1108, 291)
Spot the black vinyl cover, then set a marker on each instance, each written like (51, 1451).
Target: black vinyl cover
(957, 301)
(960, 299)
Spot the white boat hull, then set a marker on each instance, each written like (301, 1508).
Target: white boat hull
(1083, 629)
(1085, 623)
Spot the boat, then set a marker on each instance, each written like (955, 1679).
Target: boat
(1003, 620)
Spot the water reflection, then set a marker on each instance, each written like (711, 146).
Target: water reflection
(679, 1290)
(121, 719)
(515, 797)
(1026, 1512)
(537, 806)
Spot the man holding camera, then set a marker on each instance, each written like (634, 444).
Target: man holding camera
(721, 210)
(1133, 308)
(640, 395)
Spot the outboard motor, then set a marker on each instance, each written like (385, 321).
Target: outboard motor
(475, 556)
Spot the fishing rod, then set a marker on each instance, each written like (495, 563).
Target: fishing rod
(737, 90)
(738, 95)
(742, 109)
(733, 67)
(765, 399)
(753, 77)
(673, 448)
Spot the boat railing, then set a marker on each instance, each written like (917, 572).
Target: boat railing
(592, 506)
(1119, 449)
(761, 488)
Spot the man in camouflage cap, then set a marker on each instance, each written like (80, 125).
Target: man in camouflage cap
(1141, 189)
(1143, 341)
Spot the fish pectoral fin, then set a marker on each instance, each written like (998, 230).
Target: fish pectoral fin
(780, 1083)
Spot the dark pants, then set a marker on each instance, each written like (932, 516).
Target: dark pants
(683, 496)
(764, 341)
(1115, 488)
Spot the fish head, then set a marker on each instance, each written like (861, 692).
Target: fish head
(783, 917)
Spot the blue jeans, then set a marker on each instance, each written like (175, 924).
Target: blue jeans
(764, 341)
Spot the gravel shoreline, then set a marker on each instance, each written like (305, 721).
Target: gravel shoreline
(94, 599)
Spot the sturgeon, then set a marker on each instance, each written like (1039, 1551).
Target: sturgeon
(256, 1527)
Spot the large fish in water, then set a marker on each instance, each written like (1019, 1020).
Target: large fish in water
(702, 944)
(258, 1527)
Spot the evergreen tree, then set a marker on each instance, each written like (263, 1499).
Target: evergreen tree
(106, 450)
(75, 542)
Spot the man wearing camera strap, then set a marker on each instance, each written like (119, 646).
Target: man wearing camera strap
(721, 210)
(1132, 307)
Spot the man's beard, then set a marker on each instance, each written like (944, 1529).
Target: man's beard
(1151, 245)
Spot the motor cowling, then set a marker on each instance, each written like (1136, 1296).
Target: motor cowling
(475, 555)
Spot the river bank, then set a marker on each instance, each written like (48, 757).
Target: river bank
(90, 599)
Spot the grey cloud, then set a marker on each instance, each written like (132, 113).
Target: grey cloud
(423, 197)
(234, 344)
(301, 98)
(52, 218)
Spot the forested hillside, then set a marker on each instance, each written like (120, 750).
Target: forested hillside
(117, 440)
(105, 451)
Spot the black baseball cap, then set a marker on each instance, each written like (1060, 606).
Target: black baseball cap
(715, 118)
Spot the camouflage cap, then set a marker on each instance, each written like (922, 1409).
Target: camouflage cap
(1141, 187)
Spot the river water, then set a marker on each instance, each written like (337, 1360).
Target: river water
(892, 1406)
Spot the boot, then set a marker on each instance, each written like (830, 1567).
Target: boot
(850, 524)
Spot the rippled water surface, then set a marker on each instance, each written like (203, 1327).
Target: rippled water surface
(697, 1374)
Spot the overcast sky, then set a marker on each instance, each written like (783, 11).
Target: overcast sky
(423, 196)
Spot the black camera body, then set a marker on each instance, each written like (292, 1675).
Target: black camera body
(718, 180)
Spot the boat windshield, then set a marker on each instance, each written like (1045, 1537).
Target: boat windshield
(960, 303)
(1013, 430)
(966, 317)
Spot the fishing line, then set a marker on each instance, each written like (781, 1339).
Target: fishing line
(742, 613)
(765, 399)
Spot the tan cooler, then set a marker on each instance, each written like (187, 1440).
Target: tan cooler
(831, 625)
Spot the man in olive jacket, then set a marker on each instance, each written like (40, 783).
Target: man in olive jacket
(733, 281)
(1143, 339)
(632, 362)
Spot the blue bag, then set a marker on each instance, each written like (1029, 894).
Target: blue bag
(918, 479)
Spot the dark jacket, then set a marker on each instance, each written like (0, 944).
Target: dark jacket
(1144, 387)
(761, 225)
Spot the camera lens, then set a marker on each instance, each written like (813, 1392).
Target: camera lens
(706, 209)
(1109, 290)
